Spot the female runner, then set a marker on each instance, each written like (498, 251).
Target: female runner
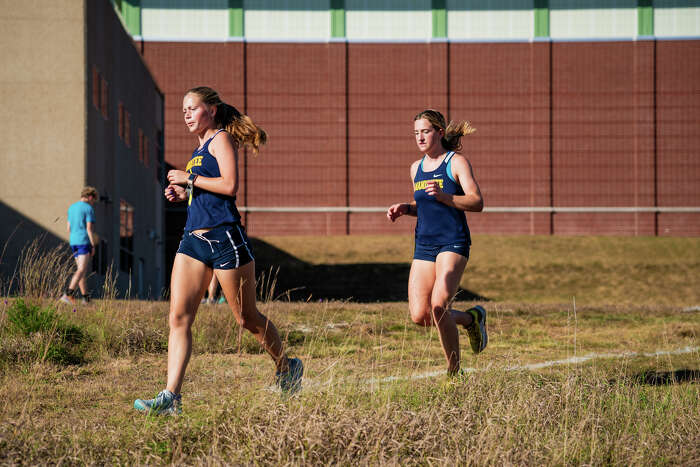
(443, 189)
(215, 242)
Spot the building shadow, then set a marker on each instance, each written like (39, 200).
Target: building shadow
(17, 232)
(665, 378)
(297, 280)
(660, 378)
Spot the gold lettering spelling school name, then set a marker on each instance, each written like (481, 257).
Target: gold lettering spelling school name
(423, 184)
(194, 162)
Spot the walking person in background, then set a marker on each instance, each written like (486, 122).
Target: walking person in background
(81, 221)
(214, 242)
(212, 289)
(443, 189)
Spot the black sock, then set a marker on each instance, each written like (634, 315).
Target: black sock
(70, 292)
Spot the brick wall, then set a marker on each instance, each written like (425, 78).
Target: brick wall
(564, 124)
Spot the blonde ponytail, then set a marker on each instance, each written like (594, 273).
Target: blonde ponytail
(240, 126)
(453, 134)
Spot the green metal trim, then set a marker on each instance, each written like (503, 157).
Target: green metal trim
(541, 13)
(645, 18)
(236, 20)
(439, 8)
(131, 12)
(337, 11)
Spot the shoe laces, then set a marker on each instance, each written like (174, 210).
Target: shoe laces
(165, 399)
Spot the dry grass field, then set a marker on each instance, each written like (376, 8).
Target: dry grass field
(593, 358)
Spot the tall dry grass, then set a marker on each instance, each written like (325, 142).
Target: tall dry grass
(607, 411)
(41, 272)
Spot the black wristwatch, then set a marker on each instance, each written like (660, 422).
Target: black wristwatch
(190, 180)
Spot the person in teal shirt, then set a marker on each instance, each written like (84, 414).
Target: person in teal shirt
(81, 221)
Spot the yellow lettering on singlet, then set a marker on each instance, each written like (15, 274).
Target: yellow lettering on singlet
(423, 184)
(194, 162)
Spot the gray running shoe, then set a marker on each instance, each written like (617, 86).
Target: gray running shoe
(478, 336)
(66, 299)
(290, 381)
(165, 403)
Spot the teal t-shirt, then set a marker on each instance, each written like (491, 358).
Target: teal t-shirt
(79, 214)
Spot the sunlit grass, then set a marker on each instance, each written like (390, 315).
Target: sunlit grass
(375, 389)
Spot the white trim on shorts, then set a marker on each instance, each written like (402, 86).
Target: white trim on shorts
(235, 249)
(245, 244)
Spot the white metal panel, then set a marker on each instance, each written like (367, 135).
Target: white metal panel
(184, 19)
(389, 25)
(388, 20)
(287, 24)
(676, 22)
(484, 24)
(593, 23)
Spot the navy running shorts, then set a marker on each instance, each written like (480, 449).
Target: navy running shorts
(79, 250)
(430, 252)
(223, 247)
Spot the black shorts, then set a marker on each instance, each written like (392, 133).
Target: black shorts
(430, 252)
(223, 247)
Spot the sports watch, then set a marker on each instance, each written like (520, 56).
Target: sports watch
(190, 180)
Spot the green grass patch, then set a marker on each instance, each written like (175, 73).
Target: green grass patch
(41, 334)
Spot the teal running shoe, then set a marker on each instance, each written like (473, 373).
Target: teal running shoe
(478, 336)
(165, 403)
(290, 381)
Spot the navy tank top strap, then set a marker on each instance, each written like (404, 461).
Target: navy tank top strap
(205, 146)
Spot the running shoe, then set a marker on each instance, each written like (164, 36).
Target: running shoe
(165, 403)
(478, 336)
(65, 299)
(290, 381)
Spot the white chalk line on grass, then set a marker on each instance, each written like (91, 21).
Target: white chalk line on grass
(551, 363)
(308, 383)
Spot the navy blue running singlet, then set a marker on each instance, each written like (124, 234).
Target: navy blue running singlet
(438, 223)
(204, 208)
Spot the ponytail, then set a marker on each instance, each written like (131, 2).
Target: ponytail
(240, 126)
(453, 134)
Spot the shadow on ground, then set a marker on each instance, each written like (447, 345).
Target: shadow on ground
(298, 280)
(664, 378)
